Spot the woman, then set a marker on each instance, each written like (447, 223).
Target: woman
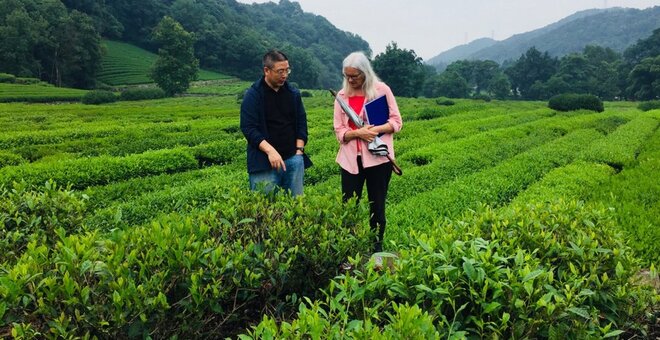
(358, 165)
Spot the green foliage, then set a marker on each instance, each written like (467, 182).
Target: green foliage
(99, 97)
(126, 64)
(649, 105)
(38, 93)
(8, 158)
(176, 65)
(645, 79)
(401, 69)
(7, 78)
(533, 272)
(192, 277)
(444, 102)
(635, 194)
(483, 97)
(43, 40)
(448, 84)
(572, 102)
(530, 67)
(39, 214)
(166, 246)
(138, 93)
(643, 48)
(84, 172)
(621, 147)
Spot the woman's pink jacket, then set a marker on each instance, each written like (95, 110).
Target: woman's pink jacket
(347, 156)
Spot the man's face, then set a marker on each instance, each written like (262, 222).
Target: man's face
(277, 75)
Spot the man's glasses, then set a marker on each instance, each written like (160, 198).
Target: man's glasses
(353, 76)
(282, 72)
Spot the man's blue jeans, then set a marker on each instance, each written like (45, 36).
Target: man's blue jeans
(291, 179)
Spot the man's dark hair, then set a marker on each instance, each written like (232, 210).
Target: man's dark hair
(273, 56)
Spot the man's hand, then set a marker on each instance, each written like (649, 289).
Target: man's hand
(276, 161)
(274, 157)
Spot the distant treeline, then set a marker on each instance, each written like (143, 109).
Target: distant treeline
(60, 40)
(535, 75)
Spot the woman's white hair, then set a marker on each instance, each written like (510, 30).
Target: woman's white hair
(360, 61)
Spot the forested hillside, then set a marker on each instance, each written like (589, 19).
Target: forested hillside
(616, 28)
(60, 40)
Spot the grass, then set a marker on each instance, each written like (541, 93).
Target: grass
(126, 64)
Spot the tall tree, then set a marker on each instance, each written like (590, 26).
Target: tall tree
(530, 67)
(645, 79)
(305, 67)
(451, 84)
(176, 65)
(78, 51)
(401, 69)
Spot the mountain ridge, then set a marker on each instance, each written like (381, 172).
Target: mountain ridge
(616, 28)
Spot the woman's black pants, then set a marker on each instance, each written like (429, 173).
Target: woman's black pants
(378, 180)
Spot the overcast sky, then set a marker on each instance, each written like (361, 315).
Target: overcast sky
(430, 27)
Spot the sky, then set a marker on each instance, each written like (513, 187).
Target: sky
(430, 27)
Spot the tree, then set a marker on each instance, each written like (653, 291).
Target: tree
(483, 73)
(401, 69)
(79, 52)
(529, 68)
(305, 68)
(644, 48)
(500, 86)
(645, 79)
(176, 65)
(451, 84)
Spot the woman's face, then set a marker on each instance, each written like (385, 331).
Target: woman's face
(354, 77)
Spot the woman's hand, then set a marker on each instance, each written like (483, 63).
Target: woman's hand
(366, 133)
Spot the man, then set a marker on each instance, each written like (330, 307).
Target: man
(274, 122)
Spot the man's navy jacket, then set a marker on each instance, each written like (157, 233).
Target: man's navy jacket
(253, 124)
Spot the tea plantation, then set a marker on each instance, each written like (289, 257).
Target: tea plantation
(132, 220)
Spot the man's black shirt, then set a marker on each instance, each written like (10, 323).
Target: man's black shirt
(280, 120)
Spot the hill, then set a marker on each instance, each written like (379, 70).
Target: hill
(616, 28)
(126, 64)
(232, 37)
(443, 59)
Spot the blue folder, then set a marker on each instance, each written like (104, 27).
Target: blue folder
(378, 112)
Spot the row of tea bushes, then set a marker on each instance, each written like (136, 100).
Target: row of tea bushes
(105, 129)
(84, 172)
(446, 161)
(575, 181)
(416, 133)
(494, 186)
(191, 195)
(190, 276)
(550, 270)
(9, 158)
(622, 146)
(634, 193)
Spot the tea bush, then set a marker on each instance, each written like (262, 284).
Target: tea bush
(37, 214)
(85, 172)
(553, 270)
(649, 105)
(571, 102)
(8, 158)
(7, 78)
(97, 97)
(137, 93)
(194, 277)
